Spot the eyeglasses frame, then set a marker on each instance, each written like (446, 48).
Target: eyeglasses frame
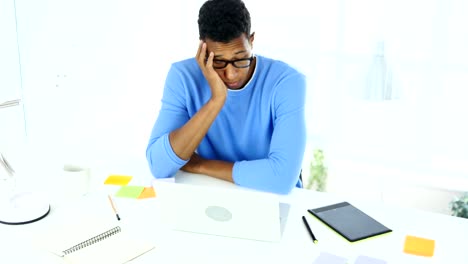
(227, 62)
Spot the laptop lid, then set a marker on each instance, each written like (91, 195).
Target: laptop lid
(238, 213)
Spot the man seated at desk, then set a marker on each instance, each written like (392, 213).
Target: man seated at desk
(228, 113)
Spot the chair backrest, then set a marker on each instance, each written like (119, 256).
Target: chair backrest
(300, 179)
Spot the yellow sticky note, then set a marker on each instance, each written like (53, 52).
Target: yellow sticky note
(419, 246)
(148, 192)
(118, 180)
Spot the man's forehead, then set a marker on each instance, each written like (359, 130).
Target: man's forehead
(236, 46)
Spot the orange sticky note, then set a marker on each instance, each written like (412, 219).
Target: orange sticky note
(148, 192)
(118, 180)
(419, 246)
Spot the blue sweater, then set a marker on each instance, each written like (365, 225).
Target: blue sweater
(261, 128)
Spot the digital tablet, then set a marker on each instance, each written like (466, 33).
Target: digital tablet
(349, 221)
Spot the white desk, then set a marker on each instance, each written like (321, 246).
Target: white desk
(141, 217)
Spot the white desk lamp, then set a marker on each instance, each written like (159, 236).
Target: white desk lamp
(18, 208)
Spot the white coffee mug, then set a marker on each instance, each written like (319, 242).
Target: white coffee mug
(74, 181)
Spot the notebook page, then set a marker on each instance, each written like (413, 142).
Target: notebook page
(60, 237)
(117, 249)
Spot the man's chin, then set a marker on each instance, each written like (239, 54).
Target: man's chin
(233, 86)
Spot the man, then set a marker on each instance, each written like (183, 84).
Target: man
(228, 113)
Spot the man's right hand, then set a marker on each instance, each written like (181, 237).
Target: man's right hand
(217, 86)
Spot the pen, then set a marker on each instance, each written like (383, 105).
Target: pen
(113, 207)
(310, 230)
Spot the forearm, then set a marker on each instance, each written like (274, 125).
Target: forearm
(218, 169)
(265, 174)
(270, 174)
(186, 139)
(214, 168)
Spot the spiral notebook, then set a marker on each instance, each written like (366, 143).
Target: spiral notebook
(93, 243)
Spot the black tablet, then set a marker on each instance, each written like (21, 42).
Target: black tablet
(349, 221)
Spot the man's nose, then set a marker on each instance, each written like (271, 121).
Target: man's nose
(230, 72)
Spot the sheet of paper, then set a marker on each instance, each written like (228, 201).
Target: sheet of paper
(419, 246)
(118, 180)
(148, 192)
(369, 260)
(328, 258)
(129, 191)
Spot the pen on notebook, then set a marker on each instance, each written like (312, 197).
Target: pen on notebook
(309, 230)
(113, 207)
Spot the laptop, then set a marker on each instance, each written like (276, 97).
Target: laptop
(230, 212)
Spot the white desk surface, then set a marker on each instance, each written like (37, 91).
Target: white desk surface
(141, 218)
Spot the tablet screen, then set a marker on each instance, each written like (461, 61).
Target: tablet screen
(349, 221)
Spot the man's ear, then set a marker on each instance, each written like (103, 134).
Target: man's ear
(251, 39)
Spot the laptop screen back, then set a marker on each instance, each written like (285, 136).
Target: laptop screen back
(230, 212)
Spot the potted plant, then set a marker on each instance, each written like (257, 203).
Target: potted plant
(459, 206)
(318, 172)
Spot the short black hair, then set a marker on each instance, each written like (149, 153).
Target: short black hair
(223, 20)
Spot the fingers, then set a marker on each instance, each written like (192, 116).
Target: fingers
(209, 62)
(201, 53)
(199, 50)
(203, 61)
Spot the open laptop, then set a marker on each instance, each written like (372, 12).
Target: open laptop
(231, 212)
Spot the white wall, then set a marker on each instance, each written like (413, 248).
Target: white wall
(12, 130)
(93, 73)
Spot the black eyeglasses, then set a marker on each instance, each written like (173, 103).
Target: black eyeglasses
(240, 63)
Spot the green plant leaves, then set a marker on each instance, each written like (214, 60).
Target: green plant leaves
(459, 206)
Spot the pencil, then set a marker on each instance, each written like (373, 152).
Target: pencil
(310, 230)
(113, 208)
